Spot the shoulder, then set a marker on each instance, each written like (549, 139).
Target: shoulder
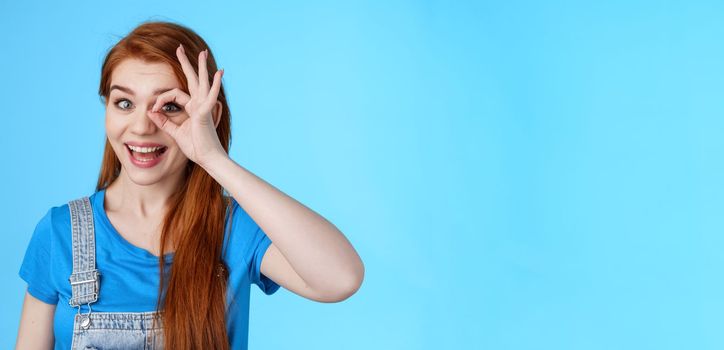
(57, 217)
(59, 214)
(54, 216)
(240, 229)
(49, 230)
(240, 219)
(237, 211)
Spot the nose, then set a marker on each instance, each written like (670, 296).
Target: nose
(142, 124)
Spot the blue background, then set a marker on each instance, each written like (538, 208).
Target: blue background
(514, 174)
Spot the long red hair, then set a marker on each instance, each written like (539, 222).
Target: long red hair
(193, 301)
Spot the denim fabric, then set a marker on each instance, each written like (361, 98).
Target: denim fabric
(129, 275)
(106, 330)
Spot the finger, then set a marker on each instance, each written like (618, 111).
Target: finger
(175, 95)
(215, 86)
(203, 73)
(188, 70)
(163, 123)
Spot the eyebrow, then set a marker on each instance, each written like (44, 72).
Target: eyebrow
(127, 90)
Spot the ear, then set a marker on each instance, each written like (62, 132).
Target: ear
(216, 113)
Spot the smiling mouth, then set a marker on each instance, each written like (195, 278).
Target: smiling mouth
(146, 156)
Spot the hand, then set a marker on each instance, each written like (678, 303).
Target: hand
(196, 136)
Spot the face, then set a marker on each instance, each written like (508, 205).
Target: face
(135, 84)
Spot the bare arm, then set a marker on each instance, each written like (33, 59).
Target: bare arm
(36, 325)
(309, 255)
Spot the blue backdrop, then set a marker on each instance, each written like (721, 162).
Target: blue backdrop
(514, 174)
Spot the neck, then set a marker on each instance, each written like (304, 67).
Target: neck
(142, 201)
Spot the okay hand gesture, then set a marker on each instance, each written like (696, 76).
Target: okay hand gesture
(196, 136)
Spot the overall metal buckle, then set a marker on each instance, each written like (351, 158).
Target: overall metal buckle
(85, 320)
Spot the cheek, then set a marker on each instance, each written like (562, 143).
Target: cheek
(114, 131)
(114, 124)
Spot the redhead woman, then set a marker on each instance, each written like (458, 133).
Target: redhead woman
(162, 255)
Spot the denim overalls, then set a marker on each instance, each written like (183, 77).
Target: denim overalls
(102, 330)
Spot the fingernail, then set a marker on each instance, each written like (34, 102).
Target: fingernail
(182, 47)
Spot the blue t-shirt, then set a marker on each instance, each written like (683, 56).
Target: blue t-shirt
(129, 274)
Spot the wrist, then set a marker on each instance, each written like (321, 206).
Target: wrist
(209, 162)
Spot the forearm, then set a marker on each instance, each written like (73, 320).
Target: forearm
(313, 246)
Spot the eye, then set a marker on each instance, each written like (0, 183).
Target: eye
(173, 108)
(116, 102)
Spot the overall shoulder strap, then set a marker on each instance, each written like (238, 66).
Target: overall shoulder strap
(84, 280)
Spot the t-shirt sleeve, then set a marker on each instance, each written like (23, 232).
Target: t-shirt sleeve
(260, 243)
(37, 263)
(256, 243)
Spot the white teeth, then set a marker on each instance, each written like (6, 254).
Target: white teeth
(144, 149)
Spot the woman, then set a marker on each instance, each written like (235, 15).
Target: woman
(159, 256)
